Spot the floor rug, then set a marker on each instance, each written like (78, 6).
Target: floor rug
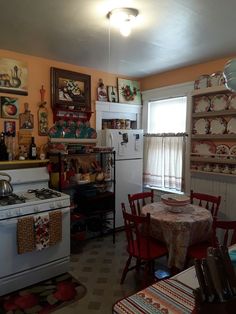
(44, 297)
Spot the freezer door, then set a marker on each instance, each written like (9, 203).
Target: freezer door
(129, 180)
(128, 144)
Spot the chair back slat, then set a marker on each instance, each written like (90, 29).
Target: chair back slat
(210, 202)
(225, 232)
(138, 200)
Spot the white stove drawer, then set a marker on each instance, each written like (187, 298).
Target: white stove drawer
(11, 262)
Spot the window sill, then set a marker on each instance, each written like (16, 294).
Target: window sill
(171, 191)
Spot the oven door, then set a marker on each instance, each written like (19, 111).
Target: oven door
(12, 263)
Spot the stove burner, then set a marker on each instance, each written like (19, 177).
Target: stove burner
(45, 193)
(11, 200)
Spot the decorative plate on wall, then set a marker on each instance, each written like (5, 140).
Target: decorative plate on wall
(201, 126)
(202, 82)
(204, 148)
(222, 150)
(231, 126)
(217, 126)
(219, 102)
(232, 102)
(216, 79)
(232, 152)
(202, 104)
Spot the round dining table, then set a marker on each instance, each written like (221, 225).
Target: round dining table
(191, 224)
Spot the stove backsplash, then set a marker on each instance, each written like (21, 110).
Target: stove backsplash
(28, 178)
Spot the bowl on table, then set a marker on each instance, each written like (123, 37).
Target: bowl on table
(175, 201)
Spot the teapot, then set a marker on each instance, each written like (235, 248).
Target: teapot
(5, 185)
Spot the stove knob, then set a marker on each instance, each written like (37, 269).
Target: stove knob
(52, 205)
(9, 214)
(18, 212)
(36, 209)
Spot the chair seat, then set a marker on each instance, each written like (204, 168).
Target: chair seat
(157, 249)
(198, 250)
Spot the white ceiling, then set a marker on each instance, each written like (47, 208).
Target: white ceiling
(170, 34)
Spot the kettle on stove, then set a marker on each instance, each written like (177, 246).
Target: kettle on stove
(5, 185)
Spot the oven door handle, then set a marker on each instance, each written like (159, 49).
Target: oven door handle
(12, 221)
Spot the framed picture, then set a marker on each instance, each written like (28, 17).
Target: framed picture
(102, 91)
(26, 120)
(112, 93)
(10, 127)
(13, 76)
(70, 90)
(129, 91)
(10, 107)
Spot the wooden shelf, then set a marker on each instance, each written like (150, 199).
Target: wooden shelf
(214, 173)
(210, 90)
(73, 140)
(214, 113)
(206, 137)
(213, 160)
(19, 164)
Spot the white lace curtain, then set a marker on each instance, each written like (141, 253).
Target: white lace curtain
(164, 160)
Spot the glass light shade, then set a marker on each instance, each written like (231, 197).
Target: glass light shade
(123, 18)
(125, 29)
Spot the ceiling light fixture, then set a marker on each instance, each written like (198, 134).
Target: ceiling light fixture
(123, 18)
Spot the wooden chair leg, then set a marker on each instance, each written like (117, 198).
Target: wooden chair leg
(126, 269)
(138, 264)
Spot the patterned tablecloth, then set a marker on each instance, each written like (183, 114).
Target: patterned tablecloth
(168, 296)
(179, 230)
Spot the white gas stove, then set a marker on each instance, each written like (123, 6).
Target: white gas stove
(32, 202)
(31, 196)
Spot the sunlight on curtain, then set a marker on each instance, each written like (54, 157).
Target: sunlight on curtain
(163, 161)
(173, 162)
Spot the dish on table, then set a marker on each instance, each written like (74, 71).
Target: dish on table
(202, 104)
(219, 102)
(175, 199)
(201, 126)
(204, 148)
(222, 150)
(231, 126)
(232, 102)
(218, 126)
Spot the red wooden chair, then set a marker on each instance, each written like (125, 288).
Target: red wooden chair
(140, 245)
(223, 233)
(137, 200)
(208, 201)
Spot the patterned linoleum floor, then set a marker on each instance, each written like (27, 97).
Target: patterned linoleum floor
(98, 264)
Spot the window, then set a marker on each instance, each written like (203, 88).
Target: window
(164, 144)
(167, 115)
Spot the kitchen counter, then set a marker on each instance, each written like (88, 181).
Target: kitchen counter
(19, 164)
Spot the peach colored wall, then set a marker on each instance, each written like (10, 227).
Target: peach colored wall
(185, 74)
(38, 75)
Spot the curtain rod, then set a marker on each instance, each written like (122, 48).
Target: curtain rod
(165, 134)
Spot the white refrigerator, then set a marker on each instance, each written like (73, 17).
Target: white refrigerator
(128, 145)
